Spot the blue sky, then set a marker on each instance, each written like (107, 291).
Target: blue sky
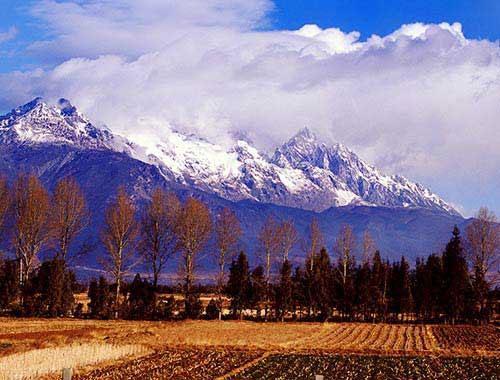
(480, 18)
(419, 100)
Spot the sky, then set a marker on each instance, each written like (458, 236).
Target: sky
(411, 86)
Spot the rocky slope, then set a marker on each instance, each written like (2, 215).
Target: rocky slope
(303, 173)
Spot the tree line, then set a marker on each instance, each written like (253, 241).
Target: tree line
(350, 281)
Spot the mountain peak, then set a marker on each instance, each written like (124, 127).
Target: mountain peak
(36, 122)
(304, 172)
(305, 133)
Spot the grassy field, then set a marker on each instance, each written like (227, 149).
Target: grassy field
(233, 350)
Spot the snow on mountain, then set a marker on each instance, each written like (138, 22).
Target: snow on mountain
(346, 171)
(303, 173)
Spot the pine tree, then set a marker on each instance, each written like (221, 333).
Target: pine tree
(258, 289)
(9, 282)
(298, 292)
(100, 299)
(322, 284)
(55, 284)
(455, 278)
(238, 286)
(406, 298)
(363, 294)
(283, 293)
(378, 286)
(141, 298)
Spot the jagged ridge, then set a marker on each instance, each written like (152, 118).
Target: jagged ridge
(303, 173)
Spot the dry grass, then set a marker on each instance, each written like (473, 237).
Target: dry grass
(21, 335)
(36, 363)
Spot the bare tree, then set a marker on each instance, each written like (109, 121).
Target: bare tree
(5, 200)
(483, 236)
(369, 248)
(119, 237)
(269, 246)
(227, 234)
(316, 241)
(69, 215)
(31, 232)
(193, 231)
(287, 238)
(159, 221)
(344, 249)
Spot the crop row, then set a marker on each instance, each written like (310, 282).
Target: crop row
(373, 338)
(460, 338)
(305, 366)
(176, 364)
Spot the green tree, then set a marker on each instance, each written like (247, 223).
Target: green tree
(283, 293)
(55, 284)
(100, 299)
(455, 278)
(322, 284)
(258, 289)
(238, 285)
(9, 283)
(141, 299)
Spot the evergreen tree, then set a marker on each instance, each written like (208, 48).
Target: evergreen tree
(363, 288)
(378, 286)
(238, 286)
(193, 306)
(258, 289)
(141, 298)
(428, 287)
(212, 309)
(283, 297)
(322, 284)
(298, 292)
(406, 298)
(55, 285)
(455, 278)
(100, 304)
(9, 282)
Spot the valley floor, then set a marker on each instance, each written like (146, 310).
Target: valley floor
(244, 350)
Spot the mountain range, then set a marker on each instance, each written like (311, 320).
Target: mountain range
(302, 179)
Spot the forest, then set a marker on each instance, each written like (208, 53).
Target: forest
(350, 281)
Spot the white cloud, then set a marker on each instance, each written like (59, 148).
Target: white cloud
(422, 101)
(10, 34)
(131, 28)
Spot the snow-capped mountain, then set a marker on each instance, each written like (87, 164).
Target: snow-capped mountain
(303, 173)
(36, 122)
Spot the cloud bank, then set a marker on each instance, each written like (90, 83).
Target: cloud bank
(422, 101)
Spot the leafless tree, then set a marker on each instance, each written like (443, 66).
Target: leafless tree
(227, 234)
(316, 241)
(344, 249)
(5, 202)
(159, 221)
(119, 237)
(287, 238)
(31, 232)
(369, 248)
(5, 199)
(483, 237)
(193, 231)
(69, 215)
(269, 247)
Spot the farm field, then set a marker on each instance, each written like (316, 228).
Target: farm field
(234, 350)
(300, 366)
